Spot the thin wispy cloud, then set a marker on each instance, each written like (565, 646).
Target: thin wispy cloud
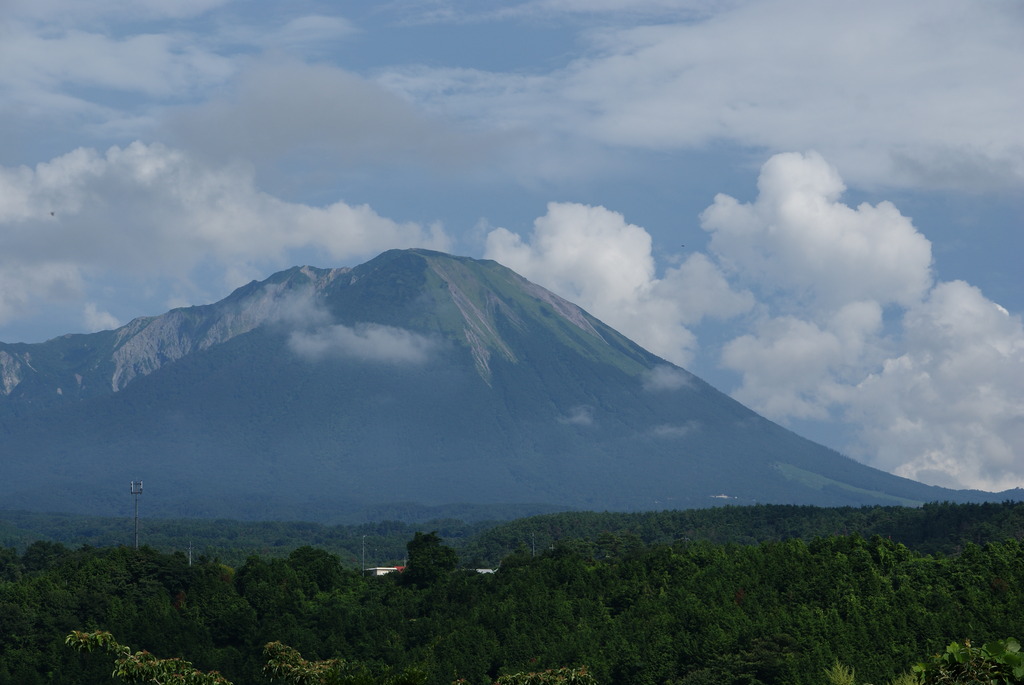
(365, 342)
(282, 107)
(676, 431)
(857, 82)
(667, 378)
(578, 416)
(97, 320)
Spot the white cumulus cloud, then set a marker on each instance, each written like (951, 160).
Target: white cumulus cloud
(949, 408)
(156, 212)
(798, 237)
(853, 326)
(593, 257)
(838, 317)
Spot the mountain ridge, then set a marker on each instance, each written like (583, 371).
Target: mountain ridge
(417, 378)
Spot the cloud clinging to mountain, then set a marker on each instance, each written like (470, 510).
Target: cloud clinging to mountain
(593, 257)
(839, 313)
(667, 378)
(365, 342)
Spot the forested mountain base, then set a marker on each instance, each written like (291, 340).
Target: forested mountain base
(688, 612)
(938, 528)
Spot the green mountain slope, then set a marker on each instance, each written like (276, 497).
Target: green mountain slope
(417, 378)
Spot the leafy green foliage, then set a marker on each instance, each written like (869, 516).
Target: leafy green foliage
(687, 611)
(840, 674)
(999, 661)
(554, 676)
(429, 559)
(283, 664)
(142, 667)
(287, 665)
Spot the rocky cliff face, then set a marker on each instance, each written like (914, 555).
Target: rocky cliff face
(114, 359)
(146, 344)
(12, 369)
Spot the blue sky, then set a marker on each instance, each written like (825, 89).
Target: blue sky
(815, 206)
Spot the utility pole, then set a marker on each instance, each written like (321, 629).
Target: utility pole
(136, 491)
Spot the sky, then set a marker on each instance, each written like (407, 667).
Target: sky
(814, 206)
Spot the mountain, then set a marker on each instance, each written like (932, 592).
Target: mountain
(416, 380)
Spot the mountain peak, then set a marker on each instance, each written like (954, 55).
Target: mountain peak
(417, 377)
(477, 303)
(468, 300)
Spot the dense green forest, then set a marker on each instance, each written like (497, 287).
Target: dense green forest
(639, 599)
(934, 528)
